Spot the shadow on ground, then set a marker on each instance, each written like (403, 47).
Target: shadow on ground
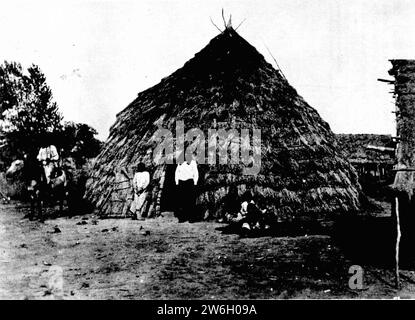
(372, 241)
(365, 240)
(281, 229)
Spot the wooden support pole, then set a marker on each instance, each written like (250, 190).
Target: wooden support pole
(398, 239)
(387, 81)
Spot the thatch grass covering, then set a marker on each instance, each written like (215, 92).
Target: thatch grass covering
(404, 93)
(229, 83)
(354, 148)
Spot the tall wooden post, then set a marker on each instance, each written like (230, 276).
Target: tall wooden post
(398, 240)
(404, 92)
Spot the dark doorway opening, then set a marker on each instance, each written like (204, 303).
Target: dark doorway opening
(169, 196)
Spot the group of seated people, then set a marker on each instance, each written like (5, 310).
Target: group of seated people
(250, 218)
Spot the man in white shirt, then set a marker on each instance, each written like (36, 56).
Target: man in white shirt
(186, 178)
(187, 171)
(141, 181)
(48, 156)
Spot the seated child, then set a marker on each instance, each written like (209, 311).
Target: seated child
(250, 216)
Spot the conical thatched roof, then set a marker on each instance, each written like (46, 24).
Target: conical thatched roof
(229, 83)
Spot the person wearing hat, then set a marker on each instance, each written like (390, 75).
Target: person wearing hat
(141, 181)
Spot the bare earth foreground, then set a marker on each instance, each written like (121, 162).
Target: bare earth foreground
(162, 259)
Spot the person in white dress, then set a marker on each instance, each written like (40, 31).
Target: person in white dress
(141, 180)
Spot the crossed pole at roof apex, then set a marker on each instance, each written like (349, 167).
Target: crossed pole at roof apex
(227, 25)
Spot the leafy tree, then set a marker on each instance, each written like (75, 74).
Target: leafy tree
(78, 140)
(27, 109)
(11, 84)
(28, 112)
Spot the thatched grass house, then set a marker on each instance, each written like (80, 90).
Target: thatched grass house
(228, 84)
(373, 157)
(404, 92)
(403, 187)
(370, 154)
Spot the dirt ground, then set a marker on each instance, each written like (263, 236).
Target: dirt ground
(83, 257)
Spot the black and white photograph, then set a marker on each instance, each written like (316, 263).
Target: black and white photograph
(177, 150)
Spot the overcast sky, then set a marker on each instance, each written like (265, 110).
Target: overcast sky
(97, 55)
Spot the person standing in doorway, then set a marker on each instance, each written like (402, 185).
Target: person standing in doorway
(141, 180)
(186, 177)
